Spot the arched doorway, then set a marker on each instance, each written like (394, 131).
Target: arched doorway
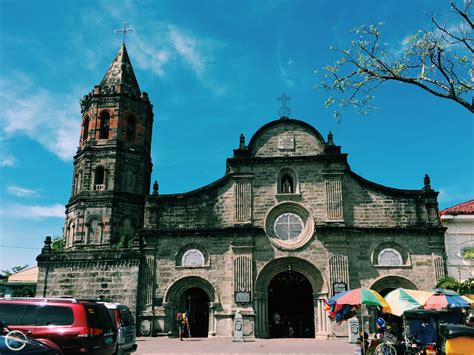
(269, 278)
(196, 295)
(196, 302)
(290, 306)
(390, 283)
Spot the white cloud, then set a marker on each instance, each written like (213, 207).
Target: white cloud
(53, 120)
(20, 191)
(187, 47)
(8, 161)
(33, 212)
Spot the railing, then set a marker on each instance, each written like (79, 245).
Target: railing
(99, 187)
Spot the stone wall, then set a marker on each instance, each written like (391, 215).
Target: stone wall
(88, 273)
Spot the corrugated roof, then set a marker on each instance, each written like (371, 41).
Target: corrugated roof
(462, 208)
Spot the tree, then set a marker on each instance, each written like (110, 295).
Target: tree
(13, 270)
(438, 61)
(57, 244)
(451, 283)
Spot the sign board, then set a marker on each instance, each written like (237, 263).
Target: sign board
(338, 287)
(286, 142)
(242, 297)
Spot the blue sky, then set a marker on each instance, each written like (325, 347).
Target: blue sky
(213, 70)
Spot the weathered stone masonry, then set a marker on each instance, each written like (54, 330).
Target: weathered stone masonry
(288, 209)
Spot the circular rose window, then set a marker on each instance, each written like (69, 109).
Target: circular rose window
(289, 225)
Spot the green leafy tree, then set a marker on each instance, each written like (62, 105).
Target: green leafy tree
(57, 243)
(13, 270)
(450, 283)
(438, 60)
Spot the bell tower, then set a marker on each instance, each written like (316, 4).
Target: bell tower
(112, 166)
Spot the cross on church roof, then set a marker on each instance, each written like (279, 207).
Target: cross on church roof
(284, 111)
(124, 31)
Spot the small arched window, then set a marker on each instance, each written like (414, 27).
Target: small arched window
(104, 125)
(287, 182)
(192, 258)
(130, 136)
(85, 132)
(99, 180)
(389, 257)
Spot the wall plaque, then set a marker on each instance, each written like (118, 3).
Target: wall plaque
(286, 142)
(338, 287)
(242, 297)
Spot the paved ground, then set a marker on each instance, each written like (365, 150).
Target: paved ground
(162, 345)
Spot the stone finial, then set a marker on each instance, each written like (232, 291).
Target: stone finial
(242, 141)
(47, 245)
(427, 182)
(330, 138)
(155, 188)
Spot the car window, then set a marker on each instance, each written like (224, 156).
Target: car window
(126, 317)
(98, 317)
(17, 314)
(54, 315)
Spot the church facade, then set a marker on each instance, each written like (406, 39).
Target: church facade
(287, 226)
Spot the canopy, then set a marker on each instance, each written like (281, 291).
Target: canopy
(401, 300)
(360, 296)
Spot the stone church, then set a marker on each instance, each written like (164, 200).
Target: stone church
(288, 225)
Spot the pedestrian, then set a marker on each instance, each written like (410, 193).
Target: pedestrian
(183, 323)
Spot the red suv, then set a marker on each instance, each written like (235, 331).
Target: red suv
(74, 325)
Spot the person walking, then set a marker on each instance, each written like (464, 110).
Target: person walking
(183, 324)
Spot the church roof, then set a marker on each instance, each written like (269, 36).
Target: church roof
(462, 208)
(121, 72)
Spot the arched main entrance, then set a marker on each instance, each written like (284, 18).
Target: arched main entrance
(274, 276)
(290, 306)
(196, 302)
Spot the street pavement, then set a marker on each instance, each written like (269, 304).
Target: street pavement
(164, 345)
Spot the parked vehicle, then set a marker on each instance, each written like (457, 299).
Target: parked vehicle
(76, 326)
(15, 342)
(421, 330)
(126, 331)
(456, 339)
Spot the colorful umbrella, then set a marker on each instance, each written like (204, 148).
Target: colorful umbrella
(401, 300)
(334, 298)
(446, 298)
(360, 296)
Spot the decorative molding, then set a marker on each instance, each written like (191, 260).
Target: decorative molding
(243, 274)
(243, 200)
(334, 203)
(338, 270)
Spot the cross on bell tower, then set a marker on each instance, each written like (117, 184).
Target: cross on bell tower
(124, 31)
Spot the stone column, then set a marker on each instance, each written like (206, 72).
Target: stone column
(212, 319)
(261, 310)
(321, 320)
(169, 321)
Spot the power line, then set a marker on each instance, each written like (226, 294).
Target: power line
(11, 246)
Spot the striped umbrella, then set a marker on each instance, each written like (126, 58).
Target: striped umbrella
(401, 300)
(442, 298)
(360, 296)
